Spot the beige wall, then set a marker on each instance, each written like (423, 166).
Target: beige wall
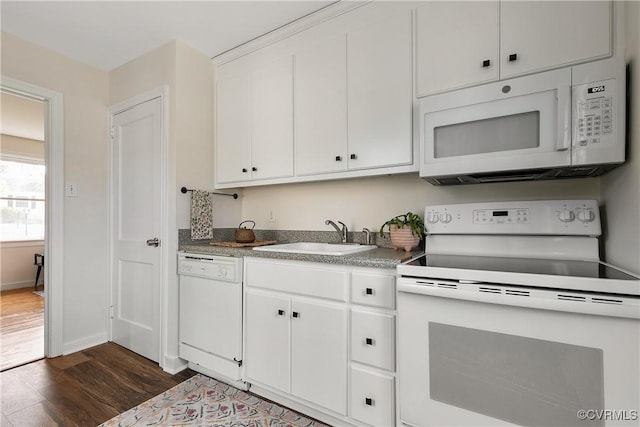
(16, 264)
(86, 99)
(22, 147)
(621, 187)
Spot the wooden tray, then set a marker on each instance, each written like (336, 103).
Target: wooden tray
(243, 245)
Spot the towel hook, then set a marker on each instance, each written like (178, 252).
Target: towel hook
(184, 190)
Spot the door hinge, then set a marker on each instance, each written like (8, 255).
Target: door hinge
(111, 311)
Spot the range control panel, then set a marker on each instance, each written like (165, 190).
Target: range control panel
(538, 217)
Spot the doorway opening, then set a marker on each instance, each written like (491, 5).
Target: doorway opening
(22, 229)
(52, 274)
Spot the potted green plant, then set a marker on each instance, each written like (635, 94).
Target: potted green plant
(405, 231)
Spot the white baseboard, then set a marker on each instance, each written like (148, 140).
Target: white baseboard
(16, 285)
(173, 364)
(84, 343)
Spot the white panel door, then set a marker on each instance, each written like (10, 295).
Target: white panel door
(552, 33)
(136, 207)
(272, 120)
(319, 354)
(380, 94)
(267, 340)
(233, 129)
(321, 107)
(456, 45)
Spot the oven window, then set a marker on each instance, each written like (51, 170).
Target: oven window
(526, 381)
(504, 133)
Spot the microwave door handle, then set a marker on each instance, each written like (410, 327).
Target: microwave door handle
(563, 141)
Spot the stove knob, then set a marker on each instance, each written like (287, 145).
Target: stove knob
(445, 218)
(586, 215)
(432, 217)
(566, 216)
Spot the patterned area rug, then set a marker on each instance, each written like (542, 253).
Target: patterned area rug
(203, 401)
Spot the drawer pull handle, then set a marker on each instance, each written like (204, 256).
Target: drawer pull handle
(513, 57)
(296, 314)
(486, 63)
(369, 401)
(353, 157)
(338, 158)
(280, 312)
(368, 291)
(369, 341)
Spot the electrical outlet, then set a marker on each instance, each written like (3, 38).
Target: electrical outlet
(271, 216)
(71, 190)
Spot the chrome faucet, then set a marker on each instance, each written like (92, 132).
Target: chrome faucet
(367, 236)
(342, 231)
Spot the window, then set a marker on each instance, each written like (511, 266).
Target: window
(22, 193)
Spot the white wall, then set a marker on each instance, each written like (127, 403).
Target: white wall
(86, 99)
(621, 187)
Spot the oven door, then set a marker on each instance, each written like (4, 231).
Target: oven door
(495, 357)
(523, 123)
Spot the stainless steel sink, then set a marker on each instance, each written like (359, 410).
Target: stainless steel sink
(337, 249)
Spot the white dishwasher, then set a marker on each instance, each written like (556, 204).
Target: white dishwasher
(211, 315)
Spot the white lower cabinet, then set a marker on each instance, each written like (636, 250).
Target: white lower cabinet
(372, 397)
(311, 348)
(297, 344)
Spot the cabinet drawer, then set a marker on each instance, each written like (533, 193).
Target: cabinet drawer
(377, 290)
(297, 278)
(372, 397)
(373, 339)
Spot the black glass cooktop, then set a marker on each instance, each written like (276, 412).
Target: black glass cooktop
(591, 269)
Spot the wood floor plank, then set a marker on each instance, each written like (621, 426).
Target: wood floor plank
(21, 327)
(82, 389)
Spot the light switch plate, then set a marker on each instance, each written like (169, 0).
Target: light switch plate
(71, 190)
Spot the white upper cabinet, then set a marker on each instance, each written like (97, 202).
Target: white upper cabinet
(321, 107)
(272, 120)
(463, 44)
(457, 44)
(254, 123)
(233, 129)
(551, 34)
(379, 86)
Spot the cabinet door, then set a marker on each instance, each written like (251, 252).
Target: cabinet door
(267, 340)
(456, 45)
(321, 108)
(233, 129)
(552, 34)
(319, 354)
(380, 96)
(272, 120)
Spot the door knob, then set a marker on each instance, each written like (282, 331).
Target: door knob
(153, 242)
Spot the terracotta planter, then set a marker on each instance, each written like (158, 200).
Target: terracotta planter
(403, 238)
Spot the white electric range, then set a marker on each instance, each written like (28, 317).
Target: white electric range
(511, 319)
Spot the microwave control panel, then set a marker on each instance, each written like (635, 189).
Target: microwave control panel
(594, 114)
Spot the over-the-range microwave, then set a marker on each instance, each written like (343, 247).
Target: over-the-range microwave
(563, 123)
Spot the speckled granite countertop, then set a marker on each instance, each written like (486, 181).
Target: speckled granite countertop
(382, 257)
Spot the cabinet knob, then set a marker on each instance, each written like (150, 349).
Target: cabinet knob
(255, 169)
(244, 170)
(513, 57)
(368, 291)
(369, 401)
(338, 158)
(353, 156)
(280, 312)
(296, 314)
(486, 63)
(369, 341)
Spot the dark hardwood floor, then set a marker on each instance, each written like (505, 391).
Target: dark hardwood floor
(82, 389)
(21, 327)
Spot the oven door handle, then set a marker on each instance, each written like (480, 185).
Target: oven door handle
(548, 302)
